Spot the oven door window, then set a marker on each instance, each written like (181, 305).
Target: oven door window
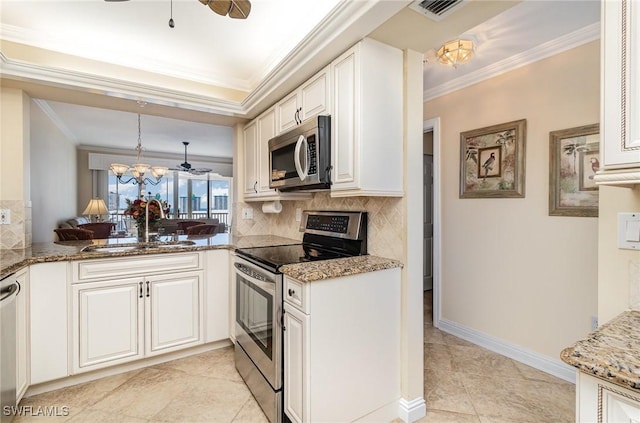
(254, 313)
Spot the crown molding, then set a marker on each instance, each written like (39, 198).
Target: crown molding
(53, 116)
(346, 24)
(63, 78)
(548, 49)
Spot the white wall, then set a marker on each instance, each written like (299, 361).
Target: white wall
(53, 176)
(509, 270)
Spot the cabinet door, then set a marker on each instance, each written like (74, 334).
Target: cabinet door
(266, 131)
(48, 314)
(108, 323)
(344, 142)
(22, 376)
(296, 364)
(315, 95)
(621, 83)
(250, 159)
(173, 311)
(287, 112)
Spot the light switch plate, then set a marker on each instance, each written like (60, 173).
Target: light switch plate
(298, 214)
(5, 217)
(629, 231)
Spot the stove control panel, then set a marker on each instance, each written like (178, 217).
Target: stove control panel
(336, 224)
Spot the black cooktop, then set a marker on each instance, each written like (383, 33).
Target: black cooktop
(274, 257)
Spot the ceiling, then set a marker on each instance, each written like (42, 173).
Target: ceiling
(238, 54)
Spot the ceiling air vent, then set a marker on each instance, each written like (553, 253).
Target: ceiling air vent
(436, 9)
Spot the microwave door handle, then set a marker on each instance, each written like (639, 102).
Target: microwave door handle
(302, 173)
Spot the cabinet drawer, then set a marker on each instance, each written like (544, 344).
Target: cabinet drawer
(296, 294)
(132, 266)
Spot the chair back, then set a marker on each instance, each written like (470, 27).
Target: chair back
(72, 234)
(101, 230)
(202, 229)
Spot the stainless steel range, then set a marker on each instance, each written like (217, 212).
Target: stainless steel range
(258, 350)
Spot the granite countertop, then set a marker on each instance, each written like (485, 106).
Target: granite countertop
(612, 352)
(14, 260)
(327, 269)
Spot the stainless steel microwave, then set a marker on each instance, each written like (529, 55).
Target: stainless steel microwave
(300, 159)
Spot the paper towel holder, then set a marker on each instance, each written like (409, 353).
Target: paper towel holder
(271, 207)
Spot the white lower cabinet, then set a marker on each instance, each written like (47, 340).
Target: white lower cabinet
(342, 348)
(22, 333)
(48, 312)
(599, 401)
(121, 319)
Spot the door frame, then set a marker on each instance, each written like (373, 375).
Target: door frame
(434, 126)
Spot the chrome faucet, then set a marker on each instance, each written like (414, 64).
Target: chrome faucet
(146, 217)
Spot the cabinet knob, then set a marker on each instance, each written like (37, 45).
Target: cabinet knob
(291, 292)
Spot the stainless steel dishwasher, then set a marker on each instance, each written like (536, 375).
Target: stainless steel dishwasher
(9, 289)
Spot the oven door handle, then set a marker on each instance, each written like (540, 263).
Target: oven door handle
(256, 278)
(302, 172)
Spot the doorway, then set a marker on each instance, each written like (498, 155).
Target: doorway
(427, 198)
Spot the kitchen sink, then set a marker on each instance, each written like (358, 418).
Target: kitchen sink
(121, 248)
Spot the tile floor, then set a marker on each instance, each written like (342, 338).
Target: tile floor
(463, 383)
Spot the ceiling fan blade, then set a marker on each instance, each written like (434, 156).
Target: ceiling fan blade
(240, 9)
(221, 7)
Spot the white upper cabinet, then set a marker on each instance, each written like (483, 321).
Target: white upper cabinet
(311, 99)
(250, 143)
(257, 170)
(620, 95)
(366, 124)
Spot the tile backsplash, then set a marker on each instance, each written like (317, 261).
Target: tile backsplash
(634, 284)
(385, 229)
(17, 234)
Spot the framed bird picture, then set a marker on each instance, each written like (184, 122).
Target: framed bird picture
(573, 162)
(492, 161)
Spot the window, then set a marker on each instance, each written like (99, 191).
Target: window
(188, 196)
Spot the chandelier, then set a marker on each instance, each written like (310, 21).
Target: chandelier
(138, 170)
(456, 52)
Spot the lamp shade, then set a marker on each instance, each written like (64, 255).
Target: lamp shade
(96, 206)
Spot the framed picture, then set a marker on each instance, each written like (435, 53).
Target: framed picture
(492, 161)
(573, 162)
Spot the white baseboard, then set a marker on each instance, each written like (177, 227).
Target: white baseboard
(412, 410)
(538, 361)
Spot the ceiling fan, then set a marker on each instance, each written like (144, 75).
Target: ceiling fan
(236, 9)
(186, 166)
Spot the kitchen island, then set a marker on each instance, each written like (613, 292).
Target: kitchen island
(608, 363)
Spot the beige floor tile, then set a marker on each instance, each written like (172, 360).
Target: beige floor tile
(475, 360)
(437, 357)
(79, 396)
(98, 416)
(146, 394)
(529, 372)
(438, 416)
(203, 399)
(37, 415)
(445, 391)
(521, 399)
(217, 364)
(250, 413)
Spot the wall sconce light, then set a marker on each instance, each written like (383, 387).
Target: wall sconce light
(455, 52)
